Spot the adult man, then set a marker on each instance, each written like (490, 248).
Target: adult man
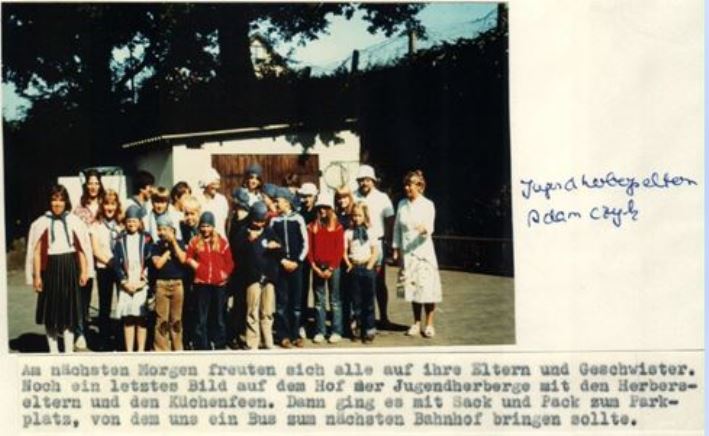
(381, 215)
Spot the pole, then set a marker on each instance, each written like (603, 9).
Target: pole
(355, 61)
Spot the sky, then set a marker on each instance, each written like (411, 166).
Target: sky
(443, 21)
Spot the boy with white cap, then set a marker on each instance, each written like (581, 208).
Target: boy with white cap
(307, 194)
(213, 201)
(381, 214)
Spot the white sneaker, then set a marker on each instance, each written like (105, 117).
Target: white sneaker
(301, 333)
(414, 330)
(429, 331)
(335, 338)
(80, 344)
(319, 338)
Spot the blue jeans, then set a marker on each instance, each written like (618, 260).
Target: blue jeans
(210, 326)
(289, 291)
(362, 284)
(333, 284)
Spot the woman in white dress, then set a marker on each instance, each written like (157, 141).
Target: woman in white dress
(413, 247)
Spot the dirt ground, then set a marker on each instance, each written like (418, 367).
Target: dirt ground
(476, 310)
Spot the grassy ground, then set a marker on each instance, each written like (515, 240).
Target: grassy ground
(476, 310)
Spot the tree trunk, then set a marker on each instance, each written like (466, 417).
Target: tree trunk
(100, 95)
(236, 70)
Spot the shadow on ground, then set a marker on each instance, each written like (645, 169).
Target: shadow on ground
(30, 343)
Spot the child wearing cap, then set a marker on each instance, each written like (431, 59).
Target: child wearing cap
(290, 228)
(167, 256)
(209, 255)
(268, 196)
(131, 254)
(306, 194)
(189, 226)
(327, 248)
(259, 252)
(253, 183)
(161, 207)
(236, 313)
(292, 182)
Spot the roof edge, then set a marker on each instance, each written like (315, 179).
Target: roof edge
(216, 134)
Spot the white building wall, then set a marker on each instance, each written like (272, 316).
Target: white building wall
(189, 164)
(159, 163)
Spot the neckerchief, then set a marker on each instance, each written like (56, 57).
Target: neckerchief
(112, 227)
(141, 245)
(359, 233)
(61, 218)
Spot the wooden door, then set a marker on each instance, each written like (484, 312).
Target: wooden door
(232, 167)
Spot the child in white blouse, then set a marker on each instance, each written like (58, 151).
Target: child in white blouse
(361, 258)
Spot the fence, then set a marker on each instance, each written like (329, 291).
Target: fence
(482, 255)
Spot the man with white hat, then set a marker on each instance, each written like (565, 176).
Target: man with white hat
(213, 201)
(381, 216)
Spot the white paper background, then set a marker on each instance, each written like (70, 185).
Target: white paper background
(600, 86)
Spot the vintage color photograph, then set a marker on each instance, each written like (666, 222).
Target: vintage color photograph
(254, 176)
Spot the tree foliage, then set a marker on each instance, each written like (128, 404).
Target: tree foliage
(447, 104)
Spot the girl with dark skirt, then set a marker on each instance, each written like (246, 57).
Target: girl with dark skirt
(56, 267)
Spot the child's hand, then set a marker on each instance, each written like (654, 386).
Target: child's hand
(289, 265)
(37, 284)
(317, 271)
(128, 288)
(273, 245)
(421, 229)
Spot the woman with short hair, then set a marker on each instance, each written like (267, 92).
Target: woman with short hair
(413, 247)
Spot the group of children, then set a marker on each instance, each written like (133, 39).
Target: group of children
(191, 275)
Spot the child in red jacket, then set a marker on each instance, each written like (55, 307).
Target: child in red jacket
(209, 255)
(327, 248)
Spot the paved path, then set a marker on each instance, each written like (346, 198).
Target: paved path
(476, 310)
